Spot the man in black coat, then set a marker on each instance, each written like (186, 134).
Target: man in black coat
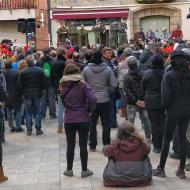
(3, 99)
(14, 97)
(31, 82)
(132, 87)
(107, 57)
(151, 85)
(48, 96)
(58, 67)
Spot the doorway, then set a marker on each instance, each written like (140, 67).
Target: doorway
(156, 23)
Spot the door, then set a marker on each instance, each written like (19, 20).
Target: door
(156, 23)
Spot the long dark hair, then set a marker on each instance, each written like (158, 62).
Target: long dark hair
(181, 65)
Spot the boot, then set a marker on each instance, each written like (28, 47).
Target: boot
(59, 130)
(2, 177)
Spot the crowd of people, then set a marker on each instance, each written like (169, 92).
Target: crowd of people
(95, 82)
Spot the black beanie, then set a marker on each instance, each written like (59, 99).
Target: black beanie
(157, 60)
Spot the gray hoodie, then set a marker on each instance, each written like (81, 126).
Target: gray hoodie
(101, 79)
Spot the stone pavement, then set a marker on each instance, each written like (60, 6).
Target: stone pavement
(37, 163)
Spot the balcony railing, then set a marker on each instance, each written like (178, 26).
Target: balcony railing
(17, 4)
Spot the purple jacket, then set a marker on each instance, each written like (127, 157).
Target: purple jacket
(78, 102)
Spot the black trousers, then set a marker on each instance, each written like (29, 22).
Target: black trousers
(1, 135)
(71, 129)
(157, 121)
(176, 143)
(170, 126)
(102, 110)
(113, 110)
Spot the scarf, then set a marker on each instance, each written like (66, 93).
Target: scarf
(72, 77)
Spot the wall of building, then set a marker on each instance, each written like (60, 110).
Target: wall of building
(16, 14)
(8, 30)
(181, 15)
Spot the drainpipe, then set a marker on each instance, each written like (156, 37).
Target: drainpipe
(49, 21)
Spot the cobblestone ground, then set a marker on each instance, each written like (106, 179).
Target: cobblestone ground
(37, 163)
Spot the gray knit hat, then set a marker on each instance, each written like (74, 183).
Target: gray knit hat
(128, 52)
(131, 60)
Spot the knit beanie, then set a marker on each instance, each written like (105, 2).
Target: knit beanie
(157, 59)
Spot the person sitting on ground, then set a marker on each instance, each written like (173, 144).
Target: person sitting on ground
(128, 159)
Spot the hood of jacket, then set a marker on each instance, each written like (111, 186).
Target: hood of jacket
(145, 56)
(97, 68)
(130, 145)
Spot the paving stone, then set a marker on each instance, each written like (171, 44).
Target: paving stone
(39, 162)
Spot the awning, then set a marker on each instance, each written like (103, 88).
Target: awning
(90, 14)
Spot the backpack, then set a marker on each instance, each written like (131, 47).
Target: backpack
(47, 70)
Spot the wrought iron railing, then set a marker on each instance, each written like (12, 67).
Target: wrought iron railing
(17, 4)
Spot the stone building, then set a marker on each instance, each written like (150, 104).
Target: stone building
(36, 10)
(166, 13)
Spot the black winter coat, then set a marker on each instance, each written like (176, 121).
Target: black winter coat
(31, 82)
(132, 86)
(14, 93)
(151, 86)
(58, 67)
(175, 94)
(40, 63)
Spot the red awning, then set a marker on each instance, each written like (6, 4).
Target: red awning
(90, 14)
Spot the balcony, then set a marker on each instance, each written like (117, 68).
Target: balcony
(17, 4)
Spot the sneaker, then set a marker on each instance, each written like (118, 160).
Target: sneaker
(68, 173)
(149, 140)
(19, 130)
(13, 129)
(174, 155)
(187, 167)
(156, 150)
(159, 172)
(180, 173)
(29, 133)
(92, 149)
(86, 173)
(39, 132)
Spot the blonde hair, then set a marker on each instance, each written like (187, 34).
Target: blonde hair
(127, 130)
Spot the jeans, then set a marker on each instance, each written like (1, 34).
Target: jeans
(170, 126)
(32, 107)
(157, 121)
(131, 114)
(48, 99)
(1, 135)
(11, 119)
(70, 131)
(102, 110)
(60, 112)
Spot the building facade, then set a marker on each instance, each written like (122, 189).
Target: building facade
(13, 10)
(145, 13)
(10, 12)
